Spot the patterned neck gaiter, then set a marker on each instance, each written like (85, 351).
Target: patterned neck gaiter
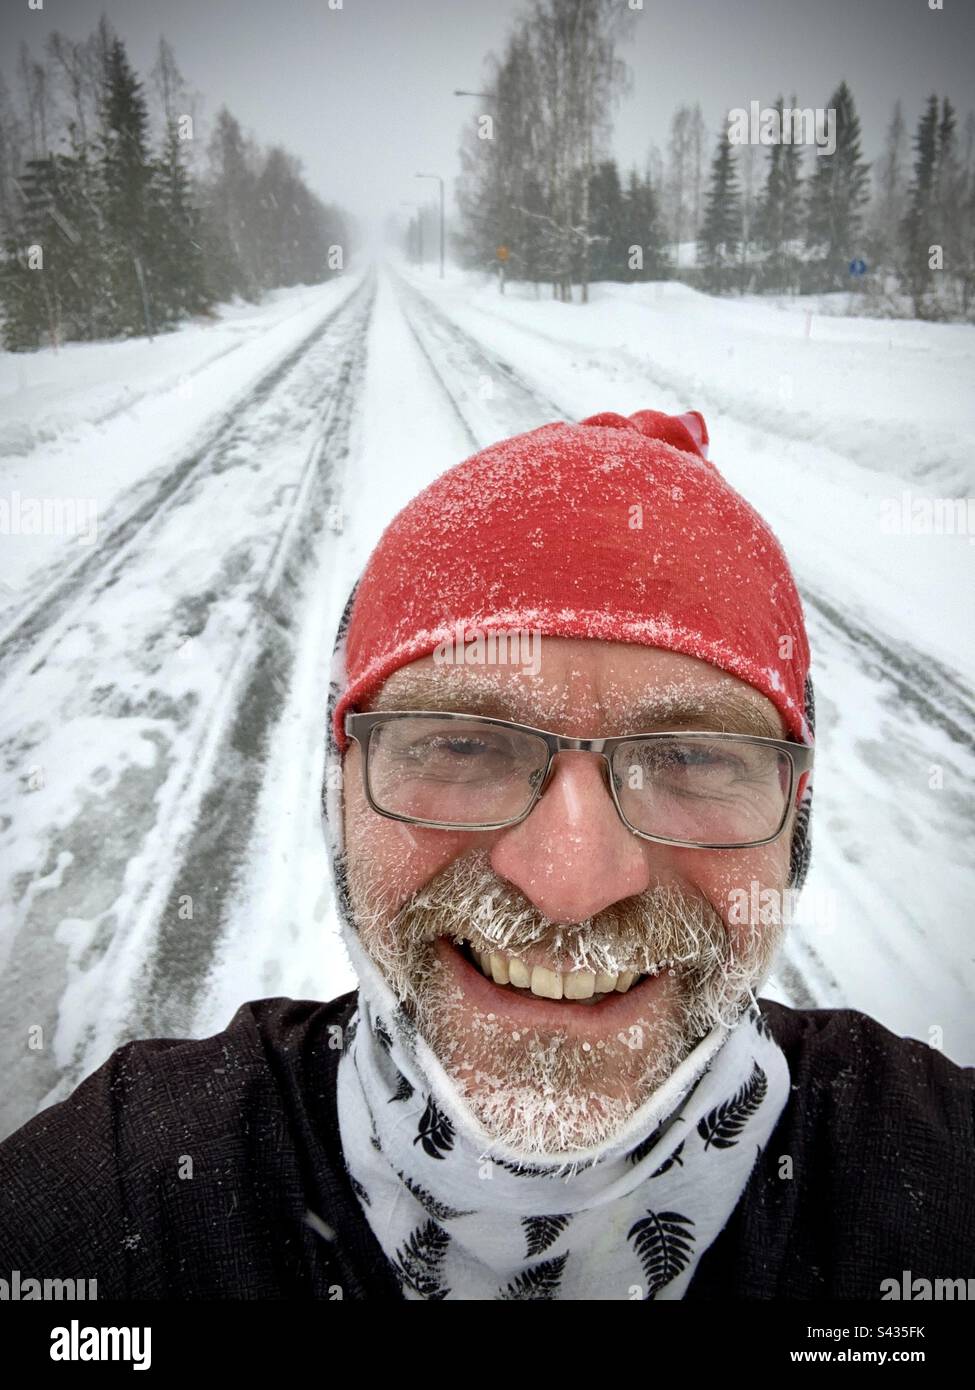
(459, 1220)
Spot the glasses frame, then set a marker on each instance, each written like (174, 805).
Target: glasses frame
(360, 726)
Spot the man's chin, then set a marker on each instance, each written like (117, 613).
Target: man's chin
(545, 1089)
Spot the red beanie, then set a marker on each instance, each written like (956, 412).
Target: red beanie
(616, 529)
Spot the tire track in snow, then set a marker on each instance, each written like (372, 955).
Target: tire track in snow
(87, 943)
(216, 845)
(501, 402)
(36, 622)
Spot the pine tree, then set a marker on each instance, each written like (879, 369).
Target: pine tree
(53, 285)
(126, 172)
(95, 240)
(179, 271)
(181, 287)
(642, 226)
(29, 277)
(233, 261)
(720, 240)
(949, 224)
(916, 227)
(838, 190)
(607, 253)
(966, 263)
(779, 220)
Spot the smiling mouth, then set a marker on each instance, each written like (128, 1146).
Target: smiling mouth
(572, 986)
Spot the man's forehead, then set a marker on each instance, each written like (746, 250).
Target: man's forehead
(588, 692)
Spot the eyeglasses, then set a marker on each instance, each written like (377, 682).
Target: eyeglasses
(464, 772)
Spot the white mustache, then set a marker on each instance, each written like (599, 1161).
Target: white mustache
(664, 928)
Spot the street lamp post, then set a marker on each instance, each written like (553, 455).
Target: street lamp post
(440, 181)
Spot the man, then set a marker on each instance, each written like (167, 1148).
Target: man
(570, 748)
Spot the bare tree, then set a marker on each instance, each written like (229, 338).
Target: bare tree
(890, 194)
(37, 102)
(748, 173)
(697, 141)
(574, 45)
(76, 63)
(13, 153)
(678, 151)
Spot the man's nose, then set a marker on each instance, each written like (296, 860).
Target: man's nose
(573, 856)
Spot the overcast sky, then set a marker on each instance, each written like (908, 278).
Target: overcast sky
(363, 94)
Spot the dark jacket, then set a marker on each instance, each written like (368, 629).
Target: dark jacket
(184, 1169)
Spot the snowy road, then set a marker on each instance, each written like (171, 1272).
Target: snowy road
(163, 701)
(153, 671)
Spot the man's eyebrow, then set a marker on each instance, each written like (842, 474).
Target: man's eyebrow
(725, 712)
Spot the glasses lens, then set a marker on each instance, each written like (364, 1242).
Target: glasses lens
(453, 771)
(725, 792)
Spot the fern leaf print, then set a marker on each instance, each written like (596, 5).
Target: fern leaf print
(541, 1232)
(668, 1163)
(436, 1133)
(664, 1245)
(538, 1282)
(437, 1209)
(403, 1090)
(721, 1127)
(420, 1259)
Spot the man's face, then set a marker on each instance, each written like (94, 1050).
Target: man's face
(569, 892)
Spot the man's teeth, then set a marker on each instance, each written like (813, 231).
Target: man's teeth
(551, 984)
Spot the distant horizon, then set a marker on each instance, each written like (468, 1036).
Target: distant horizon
(365, 93)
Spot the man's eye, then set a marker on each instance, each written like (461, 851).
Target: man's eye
(461, 747)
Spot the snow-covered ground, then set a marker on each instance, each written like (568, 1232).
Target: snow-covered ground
(91, 420)
(138, 774)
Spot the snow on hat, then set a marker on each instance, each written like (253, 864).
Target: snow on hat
(616, 528)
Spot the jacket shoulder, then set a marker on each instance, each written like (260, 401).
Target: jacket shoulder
(168, 1134)
(830, 1047)
(868, 1173)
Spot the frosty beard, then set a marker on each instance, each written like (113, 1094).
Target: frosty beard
(544, 1091)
